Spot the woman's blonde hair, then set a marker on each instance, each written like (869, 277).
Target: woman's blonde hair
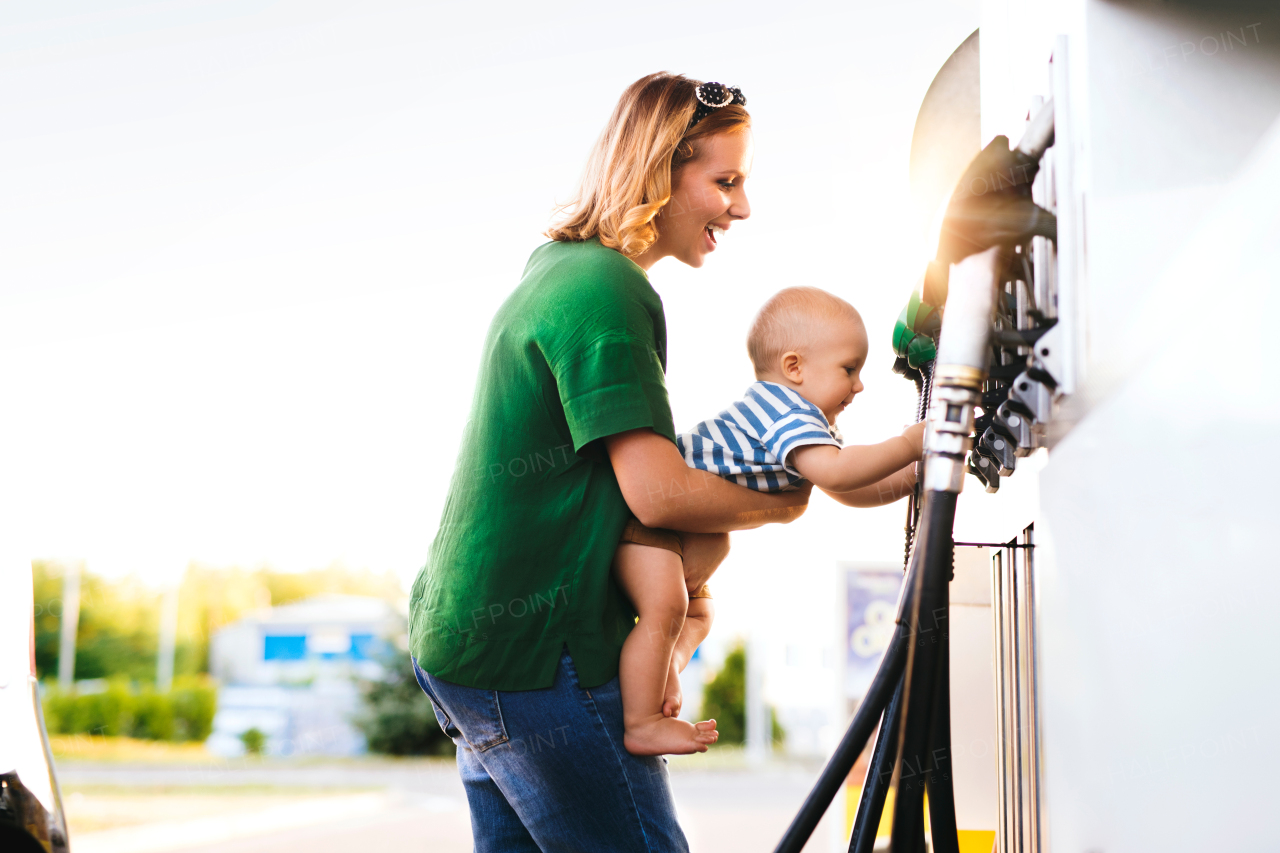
(628, 177)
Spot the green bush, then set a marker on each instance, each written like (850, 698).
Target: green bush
(153, 715)
(109, 712)
(724, 699)
(184, 713)
(254, 740)
(398, 719)
(195, 701)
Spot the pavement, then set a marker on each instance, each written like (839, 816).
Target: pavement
(377, 804)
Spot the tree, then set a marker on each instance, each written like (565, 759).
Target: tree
(398, 717)
(119, 623)
(724, 700)
(254, 740)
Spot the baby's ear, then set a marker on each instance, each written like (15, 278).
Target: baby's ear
(791, 365)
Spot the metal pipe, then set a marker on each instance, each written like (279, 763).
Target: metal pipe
(1018, 764)
(1016, 696)
(1013, 696)
(1039, 133)
(966, 331)
(963, 352)
(1002, 748)
(924, 390)
(1028, 712)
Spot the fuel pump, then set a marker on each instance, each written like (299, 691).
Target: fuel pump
(969, 338)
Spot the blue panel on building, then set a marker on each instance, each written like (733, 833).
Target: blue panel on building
(284, 647)
(366, 647)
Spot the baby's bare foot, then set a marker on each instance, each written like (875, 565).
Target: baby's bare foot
(669, 736)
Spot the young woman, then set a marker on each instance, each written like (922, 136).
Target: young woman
(516, 623)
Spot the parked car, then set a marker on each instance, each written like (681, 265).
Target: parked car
(31, 816)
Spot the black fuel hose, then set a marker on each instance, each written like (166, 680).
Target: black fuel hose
(924, 628)
(939, 783)
(875, 788)
(885, 688)
(882, 688)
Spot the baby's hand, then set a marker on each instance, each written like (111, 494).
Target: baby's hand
(915, 435)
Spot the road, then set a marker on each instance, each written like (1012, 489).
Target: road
(412, 805)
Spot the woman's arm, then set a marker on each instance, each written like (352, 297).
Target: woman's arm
(847, 469)
(663, 491)
(892, 488)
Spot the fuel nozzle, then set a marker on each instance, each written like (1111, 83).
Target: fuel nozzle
(1000, 449)
(1015, 425)
(992, 204)
(989, 215)
(982, 467)
(915, 335)
(1032, 394)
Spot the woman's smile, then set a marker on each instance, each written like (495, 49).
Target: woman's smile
(707, 196)
(711, 231)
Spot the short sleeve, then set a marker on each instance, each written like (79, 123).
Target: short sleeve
(612, 384)
(797, 428)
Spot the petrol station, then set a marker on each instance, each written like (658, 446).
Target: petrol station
(1099, 178)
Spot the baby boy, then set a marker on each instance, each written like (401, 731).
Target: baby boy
(807, 347)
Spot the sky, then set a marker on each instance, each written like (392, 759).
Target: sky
(249, 250)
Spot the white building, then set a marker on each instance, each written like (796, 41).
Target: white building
(292, 671)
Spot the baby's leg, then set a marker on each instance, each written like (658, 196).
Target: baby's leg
(703, 554)
(697, 625)
(653, 578)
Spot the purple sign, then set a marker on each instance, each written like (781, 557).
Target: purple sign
(871, 603)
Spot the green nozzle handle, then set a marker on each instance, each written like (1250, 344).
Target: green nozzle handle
(915, 334)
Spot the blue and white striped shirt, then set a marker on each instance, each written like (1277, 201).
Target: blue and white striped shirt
(748, 442)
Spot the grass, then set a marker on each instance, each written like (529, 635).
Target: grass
(108, 789)
(96, 807)
(125, 750)
(93, 809)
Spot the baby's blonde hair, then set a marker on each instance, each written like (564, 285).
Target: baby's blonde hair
(789, 321)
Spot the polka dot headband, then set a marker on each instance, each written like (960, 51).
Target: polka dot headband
(713, 96)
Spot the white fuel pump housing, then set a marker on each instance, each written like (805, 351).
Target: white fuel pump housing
(1154, 580)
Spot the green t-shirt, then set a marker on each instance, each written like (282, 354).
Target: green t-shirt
(521, 564)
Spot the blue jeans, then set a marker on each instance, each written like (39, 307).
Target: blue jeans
(545, 770)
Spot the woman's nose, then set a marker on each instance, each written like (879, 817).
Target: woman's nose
(740, 208)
